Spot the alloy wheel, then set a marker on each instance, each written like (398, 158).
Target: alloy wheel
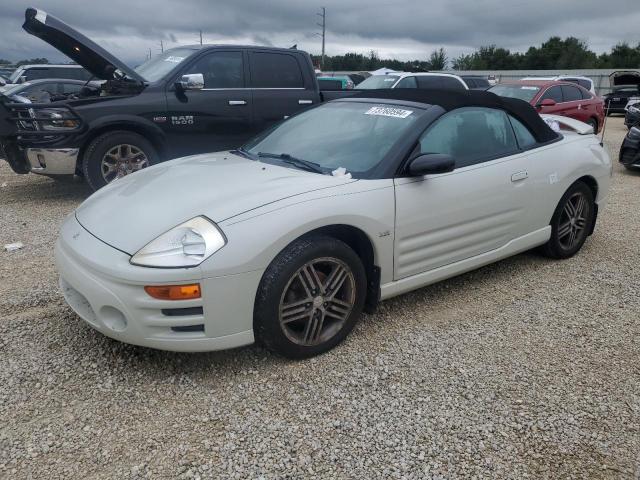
(572, 226)
(122, 160)
(317, 301)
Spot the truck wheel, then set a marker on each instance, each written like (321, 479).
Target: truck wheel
(113, 155)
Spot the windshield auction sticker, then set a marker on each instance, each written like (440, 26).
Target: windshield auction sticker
(174, 59)
(389, 112)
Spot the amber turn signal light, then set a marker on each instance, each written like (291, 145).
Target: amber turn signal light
(174, 292)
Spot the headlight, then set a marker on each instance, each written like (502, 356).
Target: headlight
(55, 119)
(634, 133)
(634, 108)
(187, 245)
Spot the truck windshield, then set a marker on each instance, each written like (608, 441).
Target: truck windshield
(378, 81)
(353, 135)
(15, 76)
(156, 68)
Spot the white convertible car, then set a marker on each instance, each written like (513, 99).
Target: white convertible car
(286, 240)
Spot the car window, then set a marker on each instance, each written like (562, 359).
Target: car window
(523, 92)
(570, 94)
(482, 83)
(470, 135)
(275, 70)
(37, 73)
(584, 83)
(450, 83)
(220, 70)
(523, 135)
(471, 83)
(407, 82)
(428, 81)
(378, 82)
(554, 93)
(586, 94)
(71, 88)
(40, 93)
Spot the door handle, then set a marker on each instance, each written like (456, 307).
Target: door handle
(237, 102)
(519, 176)
(305, 102)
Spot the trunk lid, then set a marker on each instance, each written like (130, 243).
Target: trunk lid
(76, 46)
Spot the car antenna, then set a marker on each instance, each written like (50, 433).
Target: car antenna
(604, 124)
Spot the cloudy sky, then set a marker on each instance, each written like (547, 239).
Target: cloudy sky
(404, 29)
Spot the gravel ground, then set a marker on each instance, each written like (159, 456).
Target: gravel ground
(524, 369)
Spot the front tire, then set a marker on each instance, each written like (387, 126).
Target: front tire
(310, 297)
(594, 124)
(571, 223)
(113, 155)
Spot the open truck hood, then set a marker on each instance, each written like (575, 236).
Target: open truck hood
(76, 46)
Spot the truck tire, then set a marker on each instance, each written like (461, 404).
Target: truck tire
(115, 154)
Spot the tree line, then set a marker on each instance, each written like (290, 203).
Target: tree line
(554, 54)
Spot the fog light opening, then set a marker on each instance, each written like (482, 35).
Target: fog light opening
(113, 319)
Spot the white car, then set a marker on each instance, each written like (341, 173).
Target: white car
(288, 239)
(584, 82)
(425, 80)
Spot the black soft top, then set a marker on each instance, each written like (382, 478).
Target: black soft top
(452, 99)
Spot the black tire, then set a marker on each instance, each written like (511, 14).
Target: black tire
(594, 124)
(91, 165)
(278, 281)
(557, 246)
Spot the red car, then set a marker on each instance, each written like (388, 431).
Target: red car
(557, 98)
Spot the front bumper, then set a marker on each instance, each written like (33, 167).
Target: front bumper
(630, 150)
(52, 161)
(105, 290)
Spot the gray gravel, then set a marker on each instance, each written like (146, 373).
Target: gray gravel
(524, 369)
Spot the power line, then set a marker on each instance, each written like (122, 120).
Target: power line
(322, 15)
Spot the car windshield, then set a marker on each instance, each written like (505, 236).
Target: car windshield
(523, 92)
(16, 89)
(378, 81)
(353, 135)
(156, 68)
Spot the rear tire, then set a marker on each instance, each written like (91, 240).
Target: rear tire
(116, 154)
(310, 297)
(571, 223)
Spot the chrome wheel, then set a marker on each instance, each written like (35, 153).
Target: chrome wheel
(572, 226)
(317, 301)
(122, 160)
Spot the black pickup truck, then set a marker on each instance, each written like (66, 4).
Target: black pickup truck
(190, 99)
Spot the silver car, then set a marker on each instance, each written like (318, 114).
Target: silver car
(288, 239)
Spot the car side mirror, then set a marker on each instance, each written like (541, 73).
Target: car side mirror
(431, 163)
(192, 81)
(547, 102)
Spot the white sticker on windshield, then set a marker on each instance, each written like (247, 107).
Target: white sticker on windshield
(389, 112)
(174, 59)
(390, 79)
(525, 87)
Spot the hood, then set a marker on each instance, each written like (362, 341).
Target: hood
(76, 46)
(623, 77)
(132, 211)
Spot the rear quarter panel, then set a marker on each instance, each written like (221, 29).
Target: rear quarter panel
(554, 168)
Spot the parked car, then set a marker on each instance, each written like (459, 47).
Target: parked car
(584, 82)
(187, 100)
(335, 83)
(475, 82)
(630, 149)
(356, 78)
(616, 101)
(428, 80)
(559, 98)
(44, 91)
(26, 73)
(338, 194)
(632, 114)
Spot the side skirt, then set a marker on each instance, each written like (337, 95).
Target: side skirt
(518, 245)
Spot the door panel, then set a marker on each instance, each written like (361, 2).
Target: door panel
(279, 87)
(445, 218)
(218, 117)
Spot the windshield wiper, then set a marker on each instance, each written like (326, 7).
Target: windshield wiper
(296, 162)
(243, 153)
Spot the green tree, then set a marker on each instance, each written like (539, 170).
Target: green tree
(438, 60)
(32, 61)
(622, 56)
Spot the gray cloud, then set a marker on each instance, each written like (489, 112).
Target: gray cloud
(401, 28)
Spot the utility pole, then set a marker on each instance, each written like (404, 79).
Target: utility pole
(161, 46)
(149, 53)
(200, 37)
(322, 15)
